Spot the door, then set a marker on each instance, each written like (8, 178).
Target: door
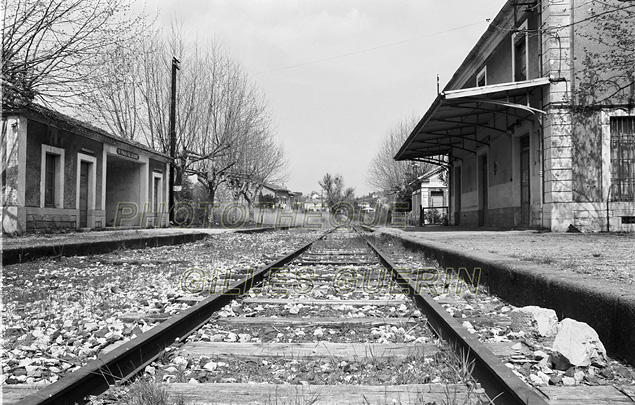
(457, 196)
(524, 181)
(83, 194)
(156, 198)
(484, 192)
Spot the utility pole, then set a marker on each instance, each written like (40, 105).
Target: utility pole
(176, 65)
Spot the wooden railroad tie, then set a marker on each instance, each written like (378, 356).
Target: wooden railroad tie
(320, 321)
(350, 351)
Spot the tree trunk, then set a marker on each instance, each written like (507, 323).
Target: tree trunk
(211, 191)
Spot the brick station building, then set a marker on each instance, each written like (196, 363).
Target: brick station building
(60, 173)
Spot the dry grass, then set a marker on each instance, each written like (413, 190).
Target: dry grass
(140, 392)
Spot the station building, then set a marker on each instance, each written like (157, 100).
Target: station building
(525, 146)
(280, 194)
(60, 173)
(430, 198)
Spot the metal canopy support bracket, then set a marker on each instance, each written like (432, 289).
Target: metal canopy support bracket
(445, 145)
(509, 104)
(433, 161)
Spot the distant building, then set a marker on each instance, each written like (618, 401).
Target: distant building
(430, 198)
(365, 206)
(280, 195)
(315, 205)
(524, 147)
(60, 173)
(296, 200)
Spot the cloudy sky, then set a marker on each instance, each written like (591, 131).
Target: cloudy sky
(338, 74)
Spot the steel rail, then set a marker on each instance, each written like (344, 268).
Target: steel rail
(498, 381)
(130, 358)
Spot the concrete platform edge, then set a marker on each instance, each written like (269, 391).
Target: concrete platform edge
(30, 253)
(584, 299)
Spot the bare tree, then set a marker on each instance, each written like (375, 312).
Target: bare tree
(136, 104)
(224, 134)
(607, 73)
(235, 140)
(50, 48)
(261, 161)
(391, 176)
(115, 99)
(223, 129)
(333, 186)
(208, 115)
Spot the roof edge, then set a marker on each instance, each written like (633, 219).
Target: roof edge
(47, 114)
(471, 93)
(504, 19)
(431, 110)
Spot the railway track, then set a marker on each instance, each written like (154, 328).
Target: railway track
(311, 327)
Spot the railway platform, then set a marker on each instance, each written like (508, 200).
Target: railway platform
(586, 277)
(32, 246)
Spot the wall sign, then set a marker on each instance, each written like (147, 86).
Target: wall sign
(89, 151)
(127, 154)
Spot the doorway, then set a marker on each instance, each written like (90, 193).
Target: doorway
(524, 181)
(483, 192)
(123, 192)
(457, 196)
(156, 194)
(84, 169)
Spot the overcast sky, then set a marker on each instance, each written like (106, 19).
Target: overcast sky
(331, 110)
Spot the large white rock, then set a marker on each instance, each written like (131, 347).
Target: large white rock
(542, 320)
(579, 344)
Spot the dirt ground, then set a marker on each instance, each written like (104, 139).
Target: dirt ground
(610, 256)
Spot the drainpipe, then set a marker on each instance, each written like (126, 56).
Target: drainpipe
(572, 47)
(608, 222)
(541, 121)
(541, 137)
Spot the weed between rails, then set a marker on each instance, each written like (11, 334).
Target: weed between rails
(141, 392)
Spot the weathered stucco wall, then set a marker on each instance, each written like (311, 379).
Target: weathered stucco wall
(13, 174)
(594, 60)
(587, 157)
(41, 134)
(66, 216)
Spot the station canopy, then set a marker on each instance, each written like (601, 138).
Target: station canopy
(457, 118)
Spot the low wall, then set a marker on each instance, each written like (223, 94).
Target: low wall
(50, 219)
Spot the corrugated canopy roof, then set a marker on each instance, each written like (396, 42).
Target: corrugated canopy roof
(455, 117)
